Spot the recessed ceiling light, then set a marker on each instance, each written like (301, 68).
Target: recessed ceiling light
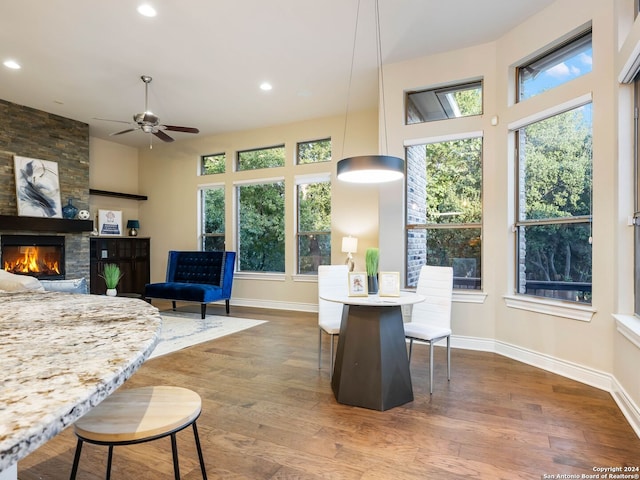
(147, 10)
(12, 64)
(266, 86)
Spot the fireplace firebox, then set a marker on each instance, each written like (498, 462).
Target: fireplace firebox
(41, 256)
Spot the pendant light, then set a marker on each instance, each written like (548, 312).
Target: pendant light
(370, 168)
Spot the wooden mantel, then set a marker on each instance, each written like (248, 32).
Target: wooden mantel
(44, 224)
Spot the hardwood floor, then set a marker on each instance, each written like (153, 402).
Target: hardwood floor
(269, 413)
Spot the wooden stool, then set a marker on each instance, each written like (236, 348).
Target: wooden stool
(140, 415)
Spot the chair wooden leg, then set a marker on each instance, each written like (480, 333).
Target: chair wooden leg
(430, 368)
(203, 310)
(319, 347)
(226, 306)
(173, 304)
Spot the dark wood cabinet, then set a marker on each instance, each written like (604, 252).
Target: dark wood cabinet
(131, 254)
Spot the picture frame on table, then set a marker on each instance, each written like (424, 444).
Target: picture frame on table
(389, 284)
(358, 286)
(110, 223)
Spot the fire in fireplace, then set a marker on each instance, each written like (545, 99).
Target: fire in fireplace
(41, 256)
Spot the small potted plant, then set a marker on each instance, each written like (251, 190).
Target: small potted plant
(112, 275)
(371, 258)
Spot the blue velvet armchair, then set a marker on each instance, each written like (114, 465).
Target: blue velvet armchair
(194, 276)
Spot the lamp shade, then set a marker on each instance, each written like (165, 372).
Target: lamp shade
(133, 224)
(370, 169)
(349, 244)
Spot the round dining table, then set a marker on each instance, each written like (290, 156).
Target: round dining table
(372, 366)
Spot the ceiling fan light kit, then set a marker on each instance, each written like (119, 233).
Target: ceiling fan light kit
(150, 123)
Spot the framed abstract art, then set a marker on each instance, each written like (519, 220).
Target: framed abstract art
(37, 188)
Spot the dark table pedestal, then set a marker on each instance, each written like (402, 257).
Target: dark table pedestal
(372, 366)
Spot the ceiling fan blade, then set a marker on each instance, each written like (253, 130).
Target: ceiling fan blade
(175, 128)
(109, 120)
(123, 131)
(162, 136)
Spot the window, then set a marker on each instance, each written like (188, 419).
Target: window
(261, 158)
(452, 101)
(553, 227)
(314, 152)
(211, 164)
(444, 209)
(314, 225)
(261, 230)
(570, 60)
(212, 215)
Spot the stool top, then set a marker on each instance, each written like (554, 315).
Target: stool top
(138, 413)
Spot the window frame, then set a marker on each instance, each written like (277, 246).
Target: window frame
(574, 41)
(306, 180)
(202, 163)
(203, 235)
(272, 147)
(432, 226)
(518, 223)
(327, 139)
(441, 92)
(237, 199)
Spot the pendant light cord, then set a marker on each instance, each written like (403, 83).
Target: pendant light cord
(380, 77)
(353, 56)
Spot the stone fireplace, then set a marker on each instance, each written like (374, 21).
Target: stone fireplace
(36, 134)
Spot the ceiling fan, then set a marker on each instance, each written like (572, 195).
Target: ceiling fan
(150, 123)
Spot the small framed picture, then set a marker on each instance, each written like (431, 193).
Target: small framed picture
(389, 284)
(358, 286)
(110, 222)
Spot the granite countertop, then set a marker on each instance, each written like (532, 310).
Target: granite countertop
(62, 354)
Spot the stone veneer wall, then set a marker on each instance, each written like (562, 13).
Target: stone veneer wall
(416, 186)
(33, 133)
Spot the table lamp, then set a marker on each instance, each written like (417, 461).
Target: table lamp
(133, 226)
(349, 246)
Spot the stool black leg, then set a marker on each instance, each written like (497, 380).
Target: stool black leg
(174, 449)
(109, 459)
(197, 437)
(76, 460)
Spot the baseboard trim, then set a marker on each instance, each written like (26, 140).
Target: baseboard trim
(579, 373)
(274, 305)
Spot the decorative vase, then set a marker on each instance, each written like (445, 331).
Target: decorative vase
(372, 281)
(69, 210)
(112, 292)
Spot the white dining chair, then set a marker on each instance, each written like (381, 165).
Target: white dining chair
(431, 319)
(331, 279)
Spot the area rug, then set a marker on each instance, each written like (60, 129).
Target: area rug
(184, 329)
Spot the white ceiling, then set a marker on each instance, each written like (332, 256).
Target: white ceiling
(83, 59)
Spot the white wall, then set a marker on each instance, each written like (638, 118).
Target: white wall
(114, 168)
